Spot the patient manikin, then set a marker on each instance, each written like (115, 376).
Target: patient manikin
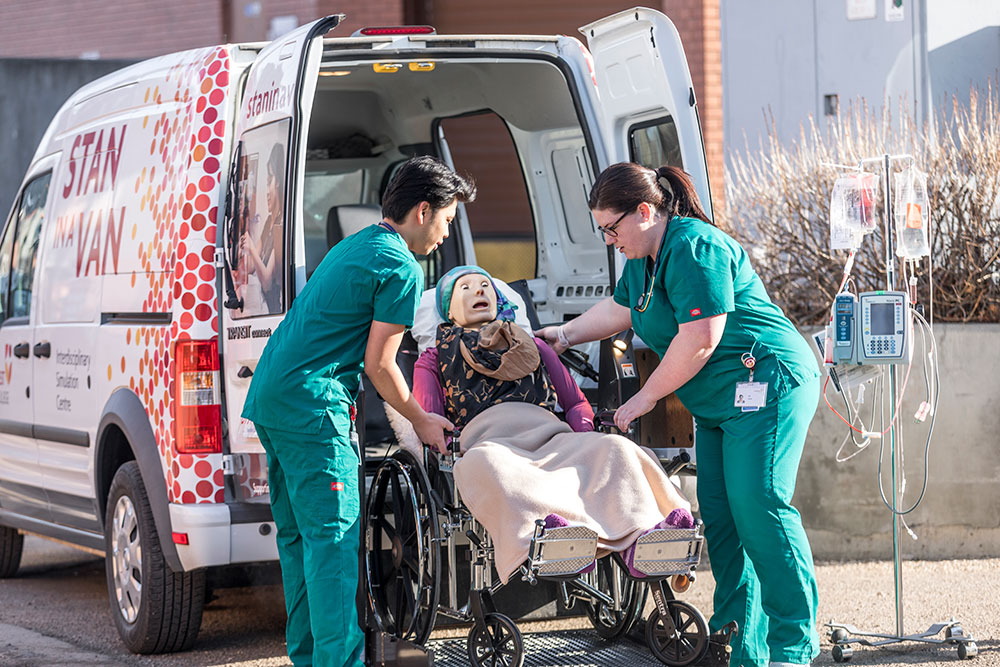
(500, 386)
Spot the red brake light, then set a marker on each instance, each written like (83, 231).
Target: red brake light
(197, 399)
(398, 30)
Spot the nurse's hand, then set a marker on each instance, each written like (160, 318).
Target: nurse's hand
(551, 336)
(634, 408)
(431, 430)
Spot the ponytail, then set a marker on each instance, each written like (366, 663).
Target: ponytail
(623, 186)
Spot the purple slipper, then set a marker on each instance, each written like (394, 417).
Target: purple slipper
(556, 521)
(678, 518)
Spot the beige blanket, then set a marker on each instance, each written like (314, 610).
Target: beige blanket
(521, 463)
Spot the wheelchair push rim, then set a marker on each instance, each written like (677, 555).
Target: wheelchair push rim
(608, 623)
(402, 559)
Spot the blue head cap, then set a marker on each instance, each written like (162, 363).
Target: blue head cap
(446, 287)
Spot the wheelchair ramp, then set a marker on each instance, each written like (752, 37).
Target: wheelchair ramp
(562, 648)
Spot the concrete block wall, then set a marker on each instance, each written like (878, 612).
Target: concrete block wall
(959, 516)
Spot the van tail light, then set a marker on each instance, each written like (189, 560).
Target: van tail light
(198, 399)
(376, 31)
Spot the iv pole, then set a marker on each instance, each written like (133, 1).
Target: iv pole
(841, 634)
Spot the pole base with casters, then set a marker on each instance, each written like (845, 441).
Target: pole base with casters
(843, 635)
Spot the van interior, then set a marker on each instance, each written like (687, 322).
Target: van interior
(509, 123)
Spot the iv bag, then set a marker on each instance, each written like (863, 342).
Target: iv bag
(852, 210)
(911, 214)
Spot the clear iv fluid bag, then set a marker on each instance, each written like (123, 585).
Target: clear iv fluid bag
(911, 214)
(852, 209)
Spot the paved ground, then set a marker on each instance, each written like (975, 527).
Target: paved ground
(55, 613)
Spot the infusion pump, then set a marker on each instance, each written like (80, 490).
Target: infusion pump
(872, 328)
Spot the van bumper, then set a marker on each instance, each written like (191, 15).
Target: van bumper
(220, 534)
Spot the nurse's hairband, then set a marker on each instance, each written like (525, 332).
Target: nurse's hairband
(664, 184)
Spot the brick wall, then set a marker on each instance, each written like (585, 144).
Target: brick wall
(142, 28)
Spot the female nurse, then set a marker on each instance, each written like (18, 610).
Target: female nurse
(744, 372)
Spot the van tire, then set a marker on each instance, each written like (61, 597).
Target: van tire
(11, 546)
(166, 616)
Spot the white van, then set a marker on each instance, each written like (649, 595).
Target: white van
(175, 208)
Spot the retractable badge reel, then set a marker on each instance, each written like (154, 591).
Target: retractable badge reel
(750, 396)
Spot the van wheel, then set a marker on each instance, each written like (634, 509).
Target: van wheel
(11, 545)
(155, 609)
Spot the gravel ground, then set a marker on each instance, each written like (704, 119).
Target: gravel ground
(55, 613)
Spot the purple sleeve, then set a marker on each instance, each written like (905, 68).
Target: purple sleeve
(579, 414)
(426, 383)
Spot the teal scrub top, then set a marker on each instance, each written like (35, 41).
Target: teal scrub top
(702, 272)
(313, 360)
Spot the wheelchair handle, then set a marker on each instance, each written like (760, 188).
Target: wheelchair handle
(676, 464)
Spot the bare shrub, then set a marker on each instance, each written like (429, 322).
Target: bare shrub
(778, 206)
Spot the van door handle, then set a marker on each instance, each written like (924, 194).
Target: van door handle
(43, 349)
(244, 372)
(21, 350)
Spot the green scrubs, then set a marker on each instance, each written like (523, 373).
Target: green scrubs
(747, 461)
(299, 400)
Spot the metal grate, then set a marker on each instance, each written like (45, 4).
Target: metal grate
(563, 648)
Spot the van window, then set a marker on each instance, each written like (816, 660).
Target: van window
(30, 215)
(655, 144)
(259, 233)
(501, 219)
(324, 192)
(6, 252)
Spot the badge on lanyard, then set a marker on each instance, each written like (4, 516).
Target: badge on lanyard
(750, 396)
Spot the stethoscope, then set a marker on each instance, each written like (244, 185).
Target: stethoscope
(647, 293)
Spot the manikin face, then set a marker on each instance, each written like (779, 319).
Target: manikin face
(435, 226)
(473, 301)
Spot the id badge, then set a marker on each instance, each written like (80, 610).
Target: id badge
(750, 396)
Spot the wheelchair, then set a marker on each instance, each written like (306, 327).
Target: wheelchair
(416, 523)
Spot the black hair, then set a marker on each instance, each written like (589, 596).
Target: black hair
(623, 186)
(276, 165)
(426, 179)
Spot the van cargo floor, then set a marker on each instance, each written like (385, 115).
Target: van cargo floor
(562, 648)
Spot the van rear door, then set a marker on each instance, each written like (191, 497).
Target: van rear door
(262, 247)
(647, 102)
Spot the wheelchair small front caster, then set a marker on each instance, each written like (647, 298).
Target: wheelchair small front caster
(499, 644)
(838, 635)
(842, 653)
(681, 642)
(967, 650)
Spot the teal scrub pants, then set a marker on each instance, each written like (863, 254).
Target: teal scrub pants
(314, 499)
(760, 555)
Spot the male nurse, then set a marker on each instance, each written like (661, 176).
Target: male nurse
(350, 317)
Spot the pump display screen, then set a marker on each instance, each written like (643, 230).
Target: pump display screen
(883, 319)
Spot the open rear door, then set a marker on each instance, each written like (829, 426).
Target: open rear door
(647, 102)
(264, 212)
(649, 115)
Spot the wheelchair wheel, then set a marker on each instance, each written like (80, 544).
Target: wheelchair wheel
(685, 646)
(608, 623)
(499, 644)
(402, 557)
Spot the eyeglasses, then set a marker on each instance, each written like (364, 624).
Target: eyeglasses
(610, 229)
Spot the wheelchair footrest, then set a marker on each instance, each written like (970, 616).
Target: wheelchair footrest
(562, 550)
(667, 551)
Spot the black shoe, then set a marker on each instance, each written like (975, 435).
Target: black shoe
(719, 649)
